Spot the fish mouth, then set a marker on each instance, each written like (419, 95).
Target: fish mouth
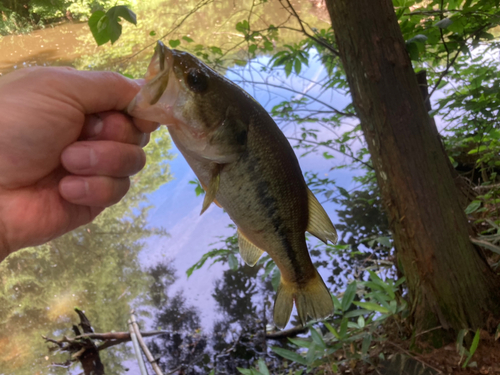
(162, 51)
(156, 81)
(161, 62)
(157, 75)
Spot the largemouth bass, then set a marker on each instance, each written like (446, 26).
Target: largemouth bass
(246, 165)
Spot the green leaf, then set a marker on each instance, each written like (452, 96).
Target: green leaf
(417, 38)
(343, 328)
(487, 245)
(245, 371)
(442, 84)
(444, 23)
(97, 22)
(152, 33)
(288, 67)
(332, 330)
(361, 322)
(216, 50)
(372, 307)
(413, 51)
(472, 207)
(187, 39)
(365, 346)
(301, 343)
(327, 156)
(297, 66)
(262, 367)
(106, 26)
(268, 46)
(336, 303)
(473, 347)
(343, 191)
(243, 26)
(349, 294)
(233, 262)
(311, 354)
(174, 43)
(292, 356)
(275, 279)
(240, 62)
(115, 30)
(317, 338)
(252, 48)
(122, 11)
(357, 312)
(384, 241)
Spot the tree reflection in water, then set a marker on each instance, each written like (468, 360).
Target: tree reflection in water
(236, 340)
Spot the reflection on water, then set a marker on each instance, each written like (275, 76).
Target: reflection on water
(126, 259)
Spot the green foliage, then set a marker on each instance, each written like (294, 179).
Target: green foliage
(198, 189)
(226, 253)
(291, 58)
(105, 26)
(262, 369)
(357, 325)
(461, 348)
(24, 16)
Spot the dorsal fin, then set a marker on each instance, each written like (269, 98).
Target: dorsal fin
(320, 224)
(248, 251)
(212, 188)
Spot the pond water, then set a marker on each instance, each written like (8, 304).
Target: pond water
(136, 254)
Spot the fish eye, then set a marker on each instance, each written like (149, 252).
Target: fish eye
(196, 80)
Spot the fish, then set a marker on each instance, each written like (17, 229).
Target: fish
(246, 166)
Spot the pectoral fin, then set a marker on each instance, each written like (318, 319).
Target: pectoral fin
(248, 251)
(320, 224)
(212, 188)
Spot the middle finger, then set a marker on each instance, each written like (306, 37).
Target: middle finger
(103, 158)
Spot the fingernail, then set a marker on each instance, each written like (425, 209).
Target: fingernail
(75, 188)
(96, 126)
(79, 157)
(144, 140)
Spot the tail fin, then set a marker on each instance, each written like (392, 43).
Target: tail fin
(312, 299)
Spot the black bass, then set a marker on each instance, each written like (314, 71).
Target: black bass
(246, 165)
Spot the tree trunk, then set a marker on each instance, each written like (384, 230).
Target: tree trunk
(449, 281)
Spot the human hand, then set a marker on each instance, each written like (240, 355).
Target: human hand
(66, 152)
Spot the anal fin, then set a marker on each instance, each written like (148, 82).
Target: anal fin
(320, 224)
(212, 188)
(248, 251)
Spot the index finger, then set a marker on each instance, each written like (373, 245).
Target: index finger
(99, 91)
(88, 91)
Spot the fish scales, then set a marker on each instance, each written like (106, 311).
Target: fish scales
(246, 165)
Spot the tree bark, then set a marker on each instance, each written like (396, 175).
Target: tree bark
(449, 281)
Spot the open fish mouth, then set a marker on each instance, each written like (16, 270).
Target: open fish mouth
(161, 62)
(157, 80)
(159, 70)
